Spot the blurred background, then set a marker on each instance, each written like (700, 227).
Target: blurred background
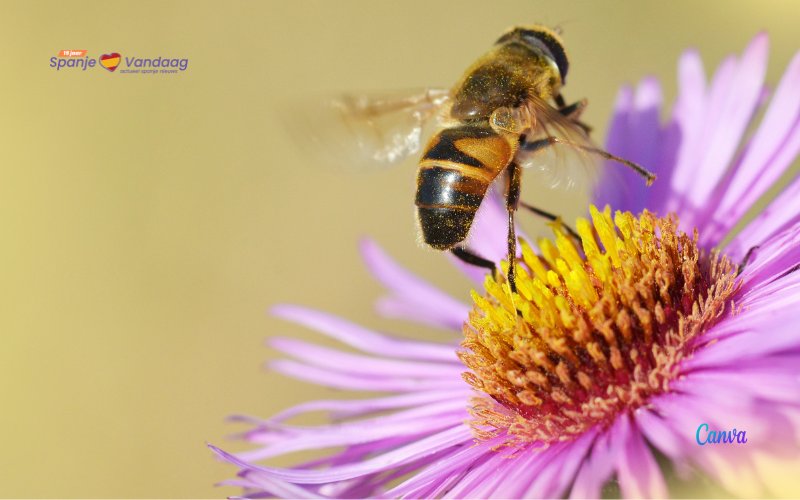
(150, 221)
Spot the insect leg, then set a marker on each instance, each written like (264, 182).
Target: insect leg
(550, 141)
(473, 259)
(573, 111)
(512, 201)
(746, 259)
(551, 217)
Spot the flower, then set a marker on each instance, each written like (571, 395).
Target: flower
(606, 358)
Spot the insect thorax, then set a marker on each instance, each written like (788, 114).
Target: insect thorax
(504, 77)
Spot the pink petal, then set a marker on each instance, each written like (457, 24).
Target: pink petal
(595, 470)
(527, 466)
(645, 120)
(734, 98)
(764, 294)
(660, 434)
(412, 297)
(348, 408)
(637, 115)
(467, 482)
(355, 364)
(613, 187)
(688, 114)
(560, 468)
(756, 335)
(364, 339)
(782, 213)
(637, 471)
(765, 160)
(456, 461)
(698, 149)
(329, 378)
(351, 434)
(266, 482)
(433, 444)
(453, 408)
(776, 258)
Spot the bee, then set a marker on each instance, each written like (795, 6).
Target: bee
(506, 108)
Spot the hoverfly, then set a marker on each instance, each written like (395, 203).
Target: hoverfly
(506, 108)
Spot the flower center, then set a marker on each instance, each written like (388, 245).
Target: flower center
(593, 333)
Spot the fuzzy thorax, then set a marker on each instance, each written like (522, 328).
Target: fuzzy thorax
(594, 330)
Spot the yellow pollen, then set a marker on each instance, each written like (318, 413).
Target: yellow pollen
(594, 329)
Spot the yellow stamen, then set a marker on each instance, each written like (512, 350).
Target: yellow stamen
(592, 331)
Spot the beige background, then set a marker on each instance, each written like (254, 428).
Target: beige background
(149, 222)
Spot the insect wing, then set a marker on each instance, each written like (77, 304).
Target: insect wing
(368, 131)
(560, 161)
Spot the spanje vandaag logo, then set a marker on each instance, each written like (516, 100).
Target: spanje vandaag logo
(79, 60)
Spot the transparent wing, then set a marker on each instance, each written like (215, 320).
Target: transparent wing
(558, 151)
(367, 131)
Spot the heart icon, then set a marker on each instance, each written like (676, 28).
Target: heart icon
(110, 61)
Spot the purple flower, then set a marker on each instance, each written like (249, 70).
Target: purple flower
(614, 350)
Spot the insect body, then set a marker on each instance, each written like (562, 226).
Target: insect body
(506, 108)
(501, 102)
(455, 172)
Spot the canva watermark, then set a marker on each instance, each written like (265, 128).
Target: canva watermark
(704, 436)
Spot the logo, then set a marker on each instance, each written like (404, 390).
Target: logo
(110, 61)
(703, 436)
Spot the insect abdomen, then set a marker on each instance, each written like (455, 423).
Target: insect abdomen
(456, 169)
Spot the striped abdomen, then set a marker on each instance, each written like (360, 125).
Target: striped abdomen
(456, 169)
